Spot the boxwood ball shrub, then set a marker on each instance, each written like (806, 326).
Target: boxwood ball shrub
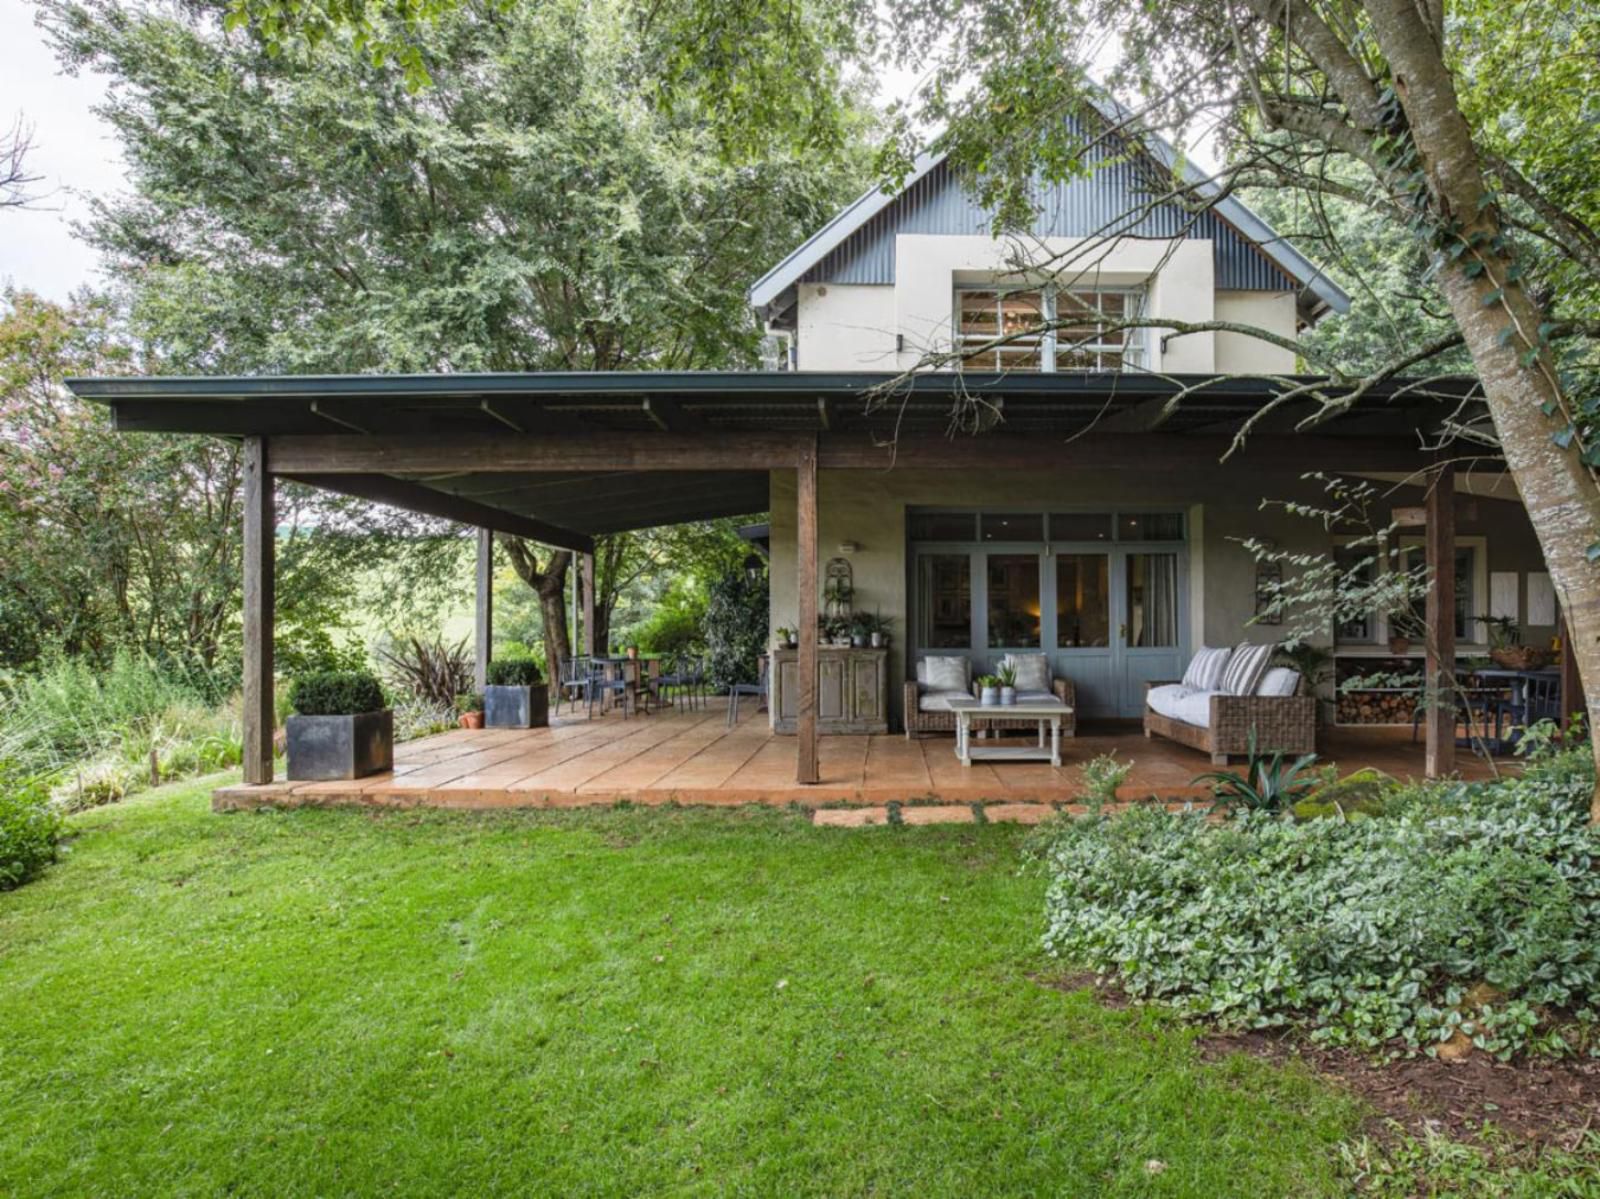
(336, 693)
(1457, 910)
(514, 672)
(30, 827)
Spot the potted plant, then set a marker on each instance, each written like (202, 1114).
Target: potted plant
(780, 637)
(341, 729)
(988, 690)
(1006, 676)
(878, 629)
(515, 697)
(633, 652)
(469, 706)
(1506, 649)
(860, 629)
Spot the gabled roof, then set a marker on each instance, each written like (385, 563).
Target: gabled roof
(771, 294)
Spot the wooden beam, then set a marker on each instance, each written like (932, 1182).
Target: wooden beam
(670, 416)
(340, 414)
(806, 770)
(588, 604)
(1439, 663)
(336, 453)
(260, 538)
(528, 416)
(824, 414)
(483, 623)
(414, 497)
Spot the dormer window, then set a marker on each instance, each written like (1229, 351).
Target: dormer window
(1091, 342)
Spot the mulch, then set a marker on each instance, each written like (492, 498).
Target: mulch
(1539, 1101)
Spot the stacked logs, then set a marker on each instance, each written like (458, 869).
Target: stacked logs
(1376, 707)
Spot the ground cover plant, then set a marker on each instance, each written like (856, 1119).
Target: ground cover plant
(30, 827)
(1441, 916)
(602, 1002)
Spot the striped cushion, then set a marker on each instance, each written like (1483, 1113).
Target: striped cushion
(1205, 670)
(1033, 671)
(1280, 680)
(944, 674)
(1245, 668)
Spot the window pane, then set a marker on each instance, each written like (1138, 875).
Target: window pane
(1359, 561)
(1014, 601)
(1080, 526)
(1083, 600)
(1150, 526)
(1152, 600)
(944, 595)
(980, 314)
(944, 526)
(1013, 526)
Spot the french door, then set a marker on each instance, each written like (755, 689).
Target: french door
(1109, 616)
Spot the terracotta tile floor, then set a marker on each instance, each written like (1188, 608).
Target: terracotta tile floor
(692, 757)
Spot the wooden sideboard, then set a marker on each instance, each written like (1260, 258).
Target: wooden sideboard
(852, 690)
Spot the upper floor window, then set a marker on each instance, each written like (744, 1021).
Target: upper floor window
(1087, 340)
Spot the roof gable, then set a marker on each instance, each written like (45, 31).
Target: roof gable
(858, 245)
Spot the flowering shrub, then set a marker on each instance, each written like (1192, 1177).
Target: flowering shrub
(1463, 910)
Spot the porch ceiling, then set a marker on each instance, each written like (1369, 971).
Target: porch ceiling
(406, 412)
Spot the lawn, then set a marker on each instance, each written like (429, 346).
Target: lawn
(610, 1002)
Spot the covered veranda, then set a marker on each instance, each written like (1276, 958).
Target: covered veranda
(561, 458)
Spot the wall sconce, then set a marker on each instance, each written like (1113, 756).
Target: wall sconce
(849, 547)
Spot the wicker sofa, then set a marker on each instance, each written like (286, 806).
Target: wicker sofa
(943, 720)
(1238, 724)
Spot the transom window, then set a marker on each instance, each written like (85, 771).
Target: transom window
(1087, 342)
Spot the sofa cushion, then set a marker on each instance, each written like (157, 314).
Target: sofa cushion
(1177, 702)
(944, 674)
(1279, 680)
(1205, 669)
(939, 701)
(1246, 665)
(1033, 671)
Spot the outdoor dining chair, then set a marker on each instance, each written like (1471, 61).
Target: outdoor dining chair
(736, 691)
(575, 681)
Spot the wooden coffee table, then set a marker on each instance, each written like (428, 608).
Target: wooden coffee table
(1047, 711)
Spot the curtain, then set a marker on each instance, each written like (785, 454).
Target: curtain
(1153, 600)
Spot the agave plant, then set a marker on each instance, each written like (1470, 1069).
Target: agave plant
(1267, 785)
(434, 671)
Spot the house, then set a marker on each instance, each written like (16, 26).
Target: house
(1088, 505)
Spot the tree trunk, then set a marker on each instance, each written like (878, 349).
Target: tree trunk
(550, 585)
(1560, 494)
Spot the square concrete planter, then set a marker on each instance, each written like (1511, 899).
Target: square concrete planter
(325, 748)
(516, 707)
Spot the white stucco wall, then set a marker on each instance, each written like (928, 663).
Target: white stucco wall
(890, 327)
(1273, 311)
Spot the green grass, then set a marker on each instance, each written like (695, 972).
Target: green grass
(611, 1002)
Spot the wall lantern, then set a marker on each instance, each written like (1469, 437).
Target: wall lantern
(753, 566)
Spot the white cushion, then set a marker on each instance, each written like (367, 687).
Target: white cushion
(1205, 669)
(1033, 671)
(1280, 680)
(939, 701)
(1177, 702)
(944, 674)
(1246, 665)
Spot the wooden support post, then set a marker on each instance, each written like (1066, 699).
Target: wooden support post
(588, 605)
(483, 640)
(806, 580)
(1440, 660)
(1571, 683)
(260, 535)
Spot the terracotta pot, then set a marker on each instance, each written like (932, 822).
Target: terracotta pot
(471, 720)
(633, 651)
(1399, 645)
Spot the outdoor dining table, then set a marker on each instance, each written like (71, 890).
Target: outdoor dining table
(643, 672)
(1517, 683)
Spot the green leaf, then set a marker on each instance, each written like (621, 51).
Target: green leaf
(1472, 270)
(1494, 297)
(1563, 437)
(1593, 552)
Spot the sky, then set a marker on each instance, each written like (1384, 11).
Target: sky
(73, 149)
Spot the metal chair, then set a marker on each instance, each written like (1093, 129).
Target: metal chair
(674, 680)
(738, 690)
(1533, 698)
(1474, 710)
(600, 686)
(575, 681)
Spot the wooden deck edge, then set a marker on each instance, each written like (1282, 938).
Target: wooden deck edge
(241, 798)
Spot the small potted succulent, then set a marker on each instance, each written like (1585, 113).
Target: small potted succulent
(878, 629)
(341, 729)
(1006, 675)
(469, 706)
(780, 637)
(515, 697)
(988, 690)
(860, 629)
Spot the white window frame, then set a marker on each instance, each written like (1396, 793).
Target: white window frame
(1134, 349)
(1411, 549)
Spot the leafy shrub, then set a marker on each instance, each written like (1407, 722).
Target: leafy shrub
(30, 826)
(1102, 776)
(336, 693)
(735, 628)
(669, 631)
(1267, 785)
(415, 718)
(430, 670)
(1467, 909)
(513, 672)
